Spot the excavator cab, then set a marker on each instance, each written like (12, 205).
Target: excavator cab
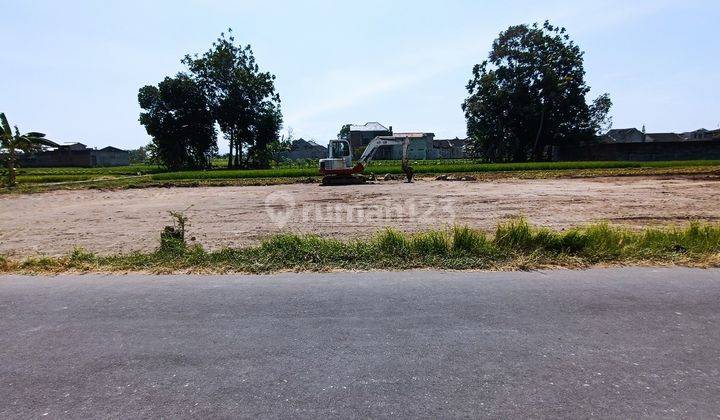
(339, 158)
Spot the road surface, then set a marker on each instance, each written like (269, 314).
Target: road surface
(609, 343)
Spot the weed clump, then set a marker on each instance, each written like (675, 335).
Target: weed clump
(172, 238)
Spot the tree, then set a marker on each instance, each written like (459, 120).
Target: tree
(266, 136)
(179, 120)
(344, 133)
(138, 156)
(530, 94)
(12, 142)
(242, 98)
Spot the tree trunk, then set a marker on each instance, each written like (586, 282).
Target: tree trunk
(238, 154)
(230, 155)
(11, 167)
(537, 147)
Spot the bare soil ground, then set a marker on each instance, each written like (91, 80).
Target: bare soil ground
(108, 222)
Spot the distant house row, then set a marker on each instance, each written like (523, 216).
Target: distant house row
(631, 144)
(304, 149)
(77, 154)
(633, 135)
(422, 145)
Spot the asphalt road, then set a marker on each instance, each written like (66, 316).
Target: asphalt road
(609, 343)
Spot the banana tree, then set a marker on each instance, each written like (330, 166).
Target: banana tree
(11, 143)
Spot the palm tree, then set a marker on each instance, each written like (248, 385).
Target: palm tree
(11, 142)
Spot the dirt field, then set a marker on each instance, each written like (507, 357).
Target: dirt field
(119, 221)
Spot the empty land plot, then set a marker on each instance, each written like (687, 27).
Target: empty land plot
(109, 222)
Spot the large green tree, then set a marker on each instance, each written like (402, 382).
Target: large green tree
(180, 122)
(243, 99)
(529, 94)
(12, 142)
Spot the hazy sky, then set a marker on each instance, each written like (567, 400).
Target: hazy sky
(72, 69)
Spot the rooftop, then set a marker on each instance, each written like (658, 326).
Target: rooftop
(412, 135)
(663, 137)
(369, 126)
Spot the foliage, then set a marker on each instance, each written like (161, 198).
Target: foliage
(344, 133)
(172, 238)
(12, 142)
(139, 156)
(181, 125)
(242, 99)
(515, 245)
(531, 94)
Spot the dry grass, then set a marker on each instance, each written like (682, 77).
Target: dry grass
(515, 246)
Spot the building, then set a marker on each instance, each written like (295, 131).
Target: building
(623, 135)
(361, 135)
(662, 137)
(111, 156)
(420, 147)
(77, 154)
(304, 149)
(633, 135)
(449, 149)
(631, 144)
(701, 134)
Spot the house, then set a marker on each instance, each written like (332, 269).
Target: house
(623, 135)
(448, 149)
(662, 137)
(418, 149)
(77, 155)
(111, 156)
(304, 149)
(631, 144)
(701, 134)
(362, 135)
(73, 146)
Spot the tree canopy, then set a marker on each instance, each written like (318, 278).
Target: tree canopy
(179, 120)
(224, 86)
(11, 142)
(529, 94)
(242, 99)
(344, 133)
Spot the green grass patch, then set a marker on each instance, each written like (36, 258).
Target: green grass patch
(515, 245)
(143, 176)
(37, 175)
(426, 167)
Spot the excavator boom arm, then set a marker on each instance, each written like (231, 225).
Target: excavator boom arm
(375, 144)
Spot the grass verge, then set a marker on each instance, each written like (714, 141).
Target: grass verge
(515, 245)
(146, 181)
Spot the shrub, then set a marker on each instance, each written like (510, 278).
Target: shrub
(435, 243)
(172, 238)
(79, 255)
(466, 240)
(391, 242)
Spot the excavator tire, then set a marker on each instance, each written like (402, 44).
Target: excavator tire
(333, 180)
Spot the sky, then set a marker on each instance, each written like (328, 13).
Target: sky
(72, 69)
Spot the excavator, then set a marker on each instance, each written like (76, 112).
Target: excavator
(338, 168)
